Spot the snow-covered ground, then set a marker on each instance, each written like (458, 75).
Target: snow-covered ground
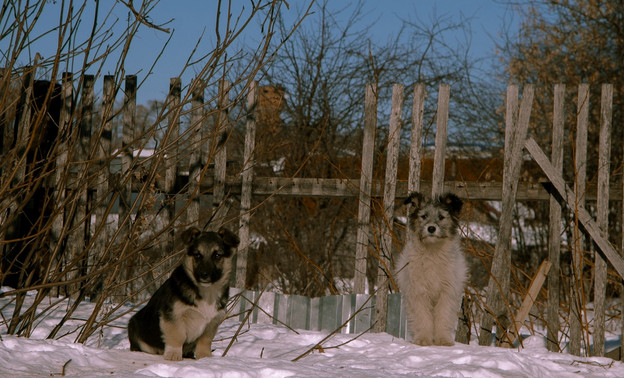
(269, 350)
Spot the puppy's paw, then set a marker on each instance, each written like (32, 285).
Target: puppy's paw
(202, 352)
(423, 341)
(173, 354)
(445, 342)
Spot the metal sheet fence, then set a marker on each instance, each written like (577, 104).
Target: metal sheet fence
(349, 313)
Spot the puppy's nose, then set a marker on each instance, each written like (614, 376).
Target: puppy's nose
(431, 229)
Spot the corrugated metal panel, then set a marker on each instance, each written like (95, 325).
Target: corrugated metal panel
(319, 314)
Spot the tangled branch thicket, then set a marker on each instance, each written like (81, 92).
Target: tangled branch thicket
(84, 215)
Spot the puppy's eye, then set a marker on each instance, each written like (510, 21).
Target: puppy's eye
(423, 216)
(196, 255)
(441, 217)
(217, 255)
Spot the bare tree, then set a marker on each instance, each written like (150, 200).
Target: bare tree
(319, 76)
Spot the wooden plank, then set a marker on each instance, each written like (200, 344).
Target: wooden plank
(531, 296)
(440, 140)
(498, 286)
(554, 229)
(195, 166)
(600, 265)
(171, 143)
(80, 222)
(247, 177)
(415, 157)
(103, 139)
(348, 188)
(22, 137)
(364, 189)
(582, 214)
(384, 274)
(60, 177)
(127, 160)
(172, 136)
(578, 244)
(221, 132)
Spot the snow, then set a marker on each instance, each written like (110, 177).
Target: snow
(269, 350)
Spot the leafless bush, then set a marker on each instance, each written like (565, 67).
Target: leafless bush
(84, 213)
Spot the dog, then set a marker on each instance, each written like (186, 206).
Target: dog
(432, 270)
(181, 318)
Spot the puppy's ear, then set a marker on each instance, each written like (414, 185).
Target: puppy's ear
(229, 238)
(414, 199)
(190, 235)
(452, 203)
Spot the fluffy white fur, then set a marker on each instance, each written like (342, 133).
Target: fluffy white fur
(431, 275)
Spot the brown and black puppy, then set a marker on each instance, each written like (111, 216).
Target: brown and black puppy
(181, 318)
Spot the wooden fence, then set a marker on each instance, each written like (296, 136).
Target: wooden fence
(84, 197)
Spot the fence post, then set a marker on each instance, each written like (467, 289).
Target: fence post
(554, 229)
(76, 242)
(600, 265)
(415, 160)
(103, 141)
(385, 271)
(79, 219)
(245, 202)
(580, 176)
(11, 204)
(60, 179)
(437, 184)
(221, 133)
(173, 135)
(498, 286)
(22, 135)
(195, 166)
(127, 157)
(366, 179)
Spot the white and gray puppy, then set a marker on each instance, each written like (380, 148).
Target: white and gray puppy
(432, 269)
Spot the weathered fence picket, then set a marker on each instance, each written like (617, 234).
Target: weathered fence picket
(78, 215)
(580, 178)
(60, 178)
(497, 301)
(366, 180)
(220, 133)
(437, 184)
(554, 225)
(247, 177)
(195, 167)
(103, 150)
(385, 272)
(602, 216)
(171, 141)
